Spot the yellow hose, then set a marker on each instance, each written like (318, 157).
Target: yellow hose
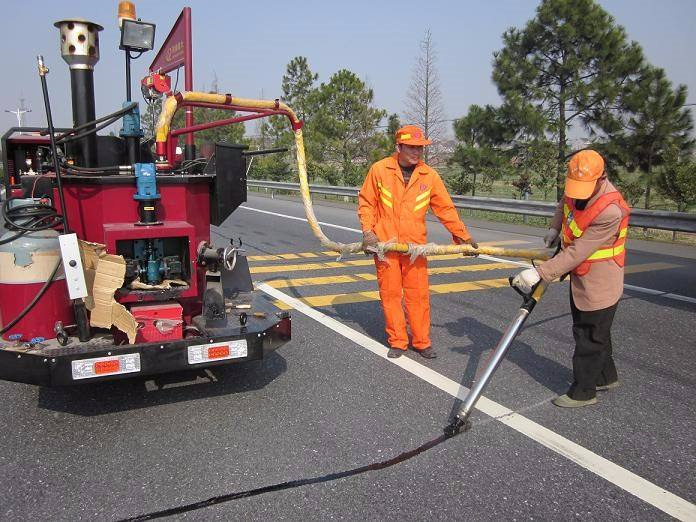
(162, 131)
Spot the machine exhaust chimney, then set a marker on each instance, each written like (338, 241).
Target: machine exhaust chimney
(79, 46)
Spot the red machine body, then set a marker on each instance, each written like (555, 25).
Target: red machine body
(103, 211)
(157, 297)
(40, 322)
(158, 322)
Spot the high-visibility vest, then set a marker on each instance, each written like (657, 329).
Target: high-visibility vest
(575, 222)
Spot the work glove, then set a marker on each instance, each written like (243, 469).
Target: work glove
(526, 280)
(460, 241)
(551, 238)
(369, 242)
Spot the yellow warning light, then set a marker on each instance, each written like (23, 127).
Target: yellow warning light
(126, 11)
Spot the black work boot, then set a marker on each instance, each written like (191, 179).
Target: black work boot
(395, 352)
(428, 353)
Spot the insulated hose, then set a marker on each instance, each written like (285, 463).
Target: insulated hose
(171, 105)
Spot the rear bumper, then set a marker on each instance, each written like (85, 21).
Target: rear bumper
(53, 366)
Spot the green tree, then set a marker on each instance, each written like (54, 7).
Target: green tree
(677, 181)
(342, 128)
(384, 142)
(479, 155)
(540, 159)
(654, 121)
(297, 85)
(571, 63)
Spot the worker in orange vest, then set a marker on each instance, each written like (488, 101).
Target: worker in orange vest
(393, 202)
(592, 220)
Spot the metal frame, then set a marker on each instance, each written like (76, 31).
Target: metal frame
(674, 221)
(53, 366)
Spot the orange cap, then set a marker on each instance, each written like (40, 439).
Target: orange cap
(584, 169)
(411, 135)
(126, 10)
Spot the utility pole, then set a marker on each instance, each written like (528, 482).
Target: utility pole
(19, 112)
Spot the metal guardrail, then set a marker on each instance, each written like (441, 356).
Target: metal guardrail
(674, 221)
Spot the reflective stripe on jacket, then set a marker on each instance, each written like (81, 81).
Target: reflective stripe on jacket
(576, 221)
(397, 212)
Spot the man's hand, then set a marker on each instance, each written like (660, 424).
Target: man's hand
(369, 242)
(526, 279)
(460, 241)
(551, 238)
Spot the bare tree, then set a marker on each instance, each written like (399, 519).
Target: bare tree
(424, 98)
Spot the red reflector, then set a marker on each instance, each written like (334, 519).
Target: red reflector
(101, 367)
(216, 352)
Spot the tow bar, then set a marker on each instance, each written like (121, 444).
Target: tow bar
(461, 422)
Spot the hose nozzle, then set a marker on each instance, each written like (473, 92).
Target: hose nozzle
(457, 425)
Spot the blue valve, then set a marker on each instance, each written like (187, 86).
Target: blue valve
(37, 340)
(15, 337)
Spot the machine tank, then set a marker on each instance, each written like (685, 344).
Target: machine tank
(26, 263)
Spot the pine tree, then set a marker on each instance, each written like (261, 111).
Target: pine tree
(571, 62)
(655, 120)
(342, 128)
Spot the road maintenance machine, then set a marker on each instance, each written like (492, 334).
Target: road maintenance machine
(107, 270)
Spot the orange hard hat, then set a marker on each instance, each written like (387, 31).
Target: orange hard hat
(584, 169)
(411, 135)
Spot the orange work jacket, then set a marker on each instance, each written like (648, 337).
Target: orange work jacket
(575, 222)
(397, 212)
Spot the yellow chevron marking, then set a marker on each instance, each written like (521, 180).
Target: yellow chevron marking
(421, 205)
(356, 278)
(270, 269)
(649, 267)
(362, 297)
(288, 256)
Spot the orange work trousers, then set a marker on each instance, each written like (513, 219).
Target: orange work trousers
(402, 282)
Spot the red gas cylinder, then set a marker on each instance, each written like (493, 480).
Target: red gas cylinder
(25, 265)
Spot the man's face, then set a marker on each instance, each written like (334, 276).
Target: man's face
(409, 155)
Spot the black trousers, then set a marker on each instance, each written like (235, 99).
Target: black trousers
(593, 364)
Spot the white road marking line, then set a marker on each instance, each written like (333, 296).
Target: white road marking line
(648, 291)
(331, 225)
(641, 488)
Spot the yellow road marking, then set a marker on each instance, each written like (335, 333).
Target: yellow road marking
(356, 278)
(270, 269)
(649, 267)
(362, 297)
(297, 255)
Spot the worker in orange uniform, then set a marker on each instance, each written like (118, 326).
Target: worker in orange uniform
(393, 202)
(592, 220)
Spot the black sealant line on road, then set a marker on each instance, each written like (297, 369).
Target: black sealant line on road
(290, 484)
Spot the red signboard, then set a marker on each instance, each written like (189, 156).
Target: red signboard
(176, 52)
(172, 55)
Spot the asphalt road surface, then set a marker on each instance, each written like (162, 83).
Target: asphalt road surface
(330, 401)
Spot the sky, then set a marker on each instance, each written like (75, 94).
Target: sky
(247, 46)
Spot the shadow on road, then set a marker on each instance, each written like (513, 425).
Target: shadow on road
(484, 339)
(145, 392)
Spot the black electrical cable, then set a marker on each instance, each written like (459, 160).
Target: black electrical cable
(113, 116)
(32, 217)
(33, 302)
(87, 133)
